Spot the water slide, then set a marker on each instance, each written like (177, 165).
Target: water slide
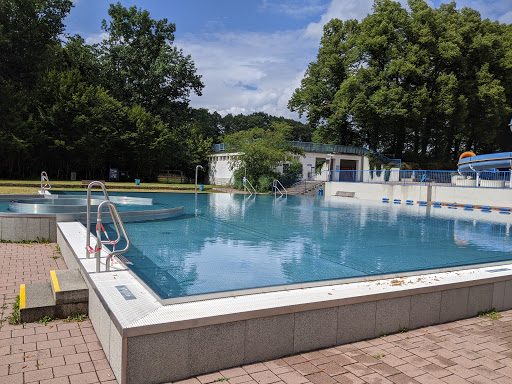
(468, 161)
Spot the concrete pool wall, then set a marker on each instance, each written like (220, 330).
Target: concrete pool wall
(147, 341)
(37, 226)
(497, 197)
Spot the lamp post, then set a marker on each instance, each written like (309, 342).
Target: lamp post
(197, 167)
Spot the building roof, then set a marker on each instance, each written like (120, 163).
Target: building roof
(323, 148)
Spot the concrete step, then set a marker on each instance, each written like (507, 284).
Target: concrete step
(66, 294)
(36, 302)
(68, 286)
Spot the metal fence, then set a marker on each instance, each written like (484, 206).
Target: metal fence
(484, 179)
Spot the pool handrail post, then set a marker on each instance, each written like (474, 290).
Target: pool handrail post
(45, 183)
(88, 228)
(117, 221)
(197, 167)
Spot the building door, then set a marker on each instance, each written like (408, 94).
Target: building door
(348, 168)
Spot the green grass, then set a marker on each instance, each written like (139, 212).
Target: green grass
(26, 187)
(45, 320)
(43, 240)
(14, 317)
(78, 317)
(491, 313)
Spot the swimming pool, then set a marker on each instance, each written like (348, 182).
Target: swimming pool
(229, 243)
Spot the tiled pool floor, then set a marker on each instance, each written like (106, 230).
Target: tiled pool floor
(475, 350)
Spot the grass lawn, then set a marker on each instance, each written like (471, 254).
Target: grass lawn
(32, 186)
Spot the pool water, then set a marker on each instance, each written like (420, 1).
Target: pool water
(230, 242)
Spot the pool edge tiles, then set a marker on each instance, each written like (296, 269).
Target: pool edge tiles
(147, 341)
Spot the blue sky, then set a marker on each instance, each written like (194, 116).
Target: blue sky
(252, 54)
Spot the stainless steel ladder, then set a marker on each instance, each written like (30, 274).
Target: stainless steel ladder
(246, 181)
(277, 186)
(45, 183)
(116, 220)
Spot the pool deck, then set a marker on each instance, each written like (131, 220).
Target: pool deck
(474, 350)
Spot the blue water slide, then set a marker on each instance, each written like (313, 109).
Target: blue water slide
(486, 162)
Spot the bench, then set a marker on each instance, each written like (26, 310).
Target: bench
(85, 183)
(345, 194)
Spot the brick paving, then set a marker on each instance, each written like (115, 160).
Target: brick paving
(57, 353)
(471, 351)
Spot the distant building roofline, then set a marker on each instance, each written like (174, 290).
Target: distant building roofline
(324, 148)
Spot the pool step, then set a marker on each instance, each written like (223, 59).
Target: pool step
(66, 294)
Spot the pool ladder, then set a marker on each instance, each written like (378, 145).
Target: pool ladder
(118, 224)
(277, 186)
(45, 184)
(246, 188)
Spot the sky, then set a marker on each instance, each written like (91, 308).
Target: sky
(252, 54)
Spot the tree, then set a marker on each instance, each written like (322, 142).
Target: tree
(323, 79)
(231, 124)
(29, 45)
(261, 151)
(421, 84)
(141, 65)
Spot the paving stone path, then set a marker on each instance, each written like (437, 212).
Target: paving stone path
(57, 353)
(476, 350)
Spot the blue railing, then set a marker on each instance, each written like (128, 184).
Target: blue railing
(484, 179)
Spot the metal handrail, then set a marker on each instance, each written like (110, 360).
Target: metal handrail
(310, 178)
(88, 229)
(279, 187)
(117, 219)
(45, 183)
(245, 186)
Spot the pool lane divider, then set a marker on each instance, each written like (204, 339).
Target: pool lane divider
(467, 207)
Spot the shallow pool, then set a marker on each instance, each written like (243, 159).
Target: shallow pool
(231, 242)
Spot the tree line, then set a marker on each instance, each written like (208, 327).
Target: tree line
(415, 83)
(67, 106)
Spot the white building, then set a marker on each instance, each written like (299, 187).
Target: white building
(327, 156)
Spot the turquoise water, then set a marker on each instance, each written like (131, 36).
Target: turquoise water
(225, 242)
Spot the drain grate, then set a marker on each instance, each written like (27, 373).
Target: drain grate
(498, 270)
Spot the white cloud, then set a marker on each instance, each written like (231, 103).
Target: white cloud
(506, 18)
(249, 72)
(95, 38)
(340, 9)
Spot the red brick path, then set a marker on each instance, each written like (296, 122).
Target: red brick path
(60, 352)
(472, 351)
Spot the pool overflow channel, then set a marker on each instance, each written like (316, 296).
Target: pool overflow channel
(67, 293)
